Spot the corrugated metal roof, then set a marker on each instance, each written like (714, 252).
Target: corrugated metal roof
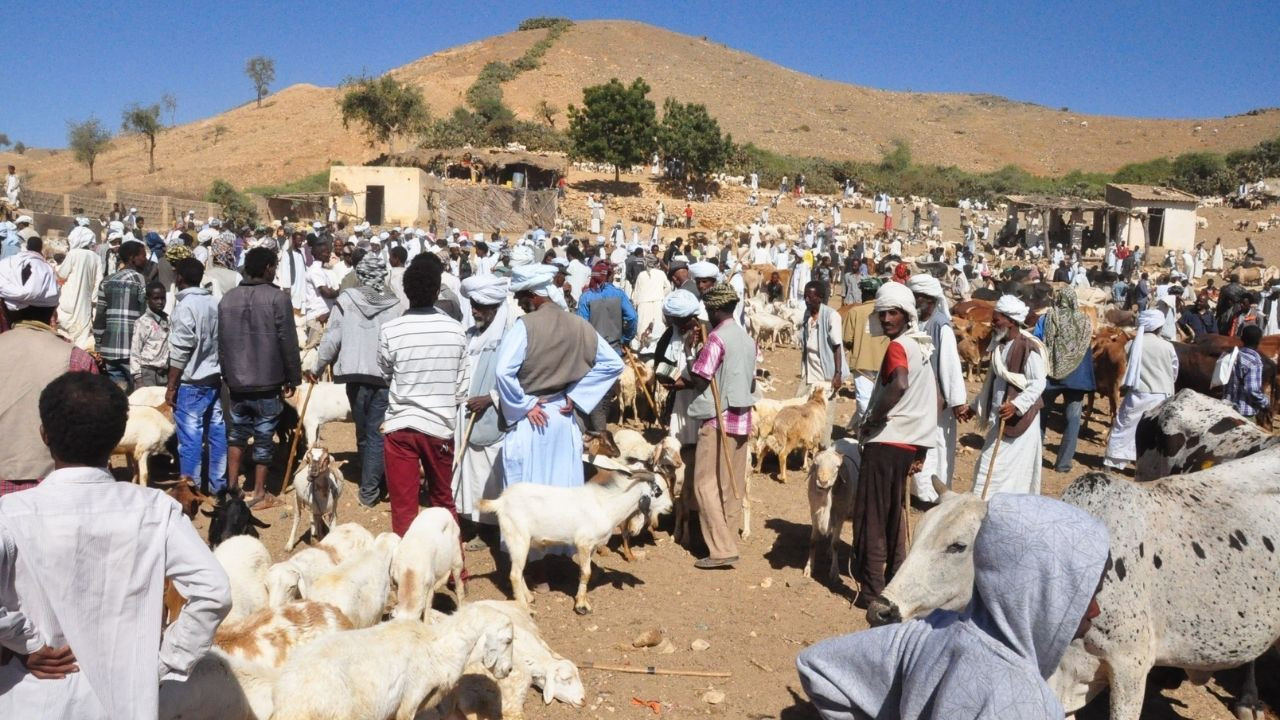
(1057, 202)
(1154, 193)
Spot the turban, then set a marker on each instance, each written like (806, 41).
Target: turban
(533, 278)
(384, 236)
(521, 255)
(485, 289)
(223, 251)
(155, 243)
(372, 272)
(704, 270)
(23, 219)
(600, 269)
(1148, 321)
(116, 226)
(174, 253)
(268, 243)
(896, 296)
(40, 289)
(1017, 310)
(925, 285)
(561, 264)
(82, 221)
(80, 238)
(720, 296)
(361, 228)
(680, 304)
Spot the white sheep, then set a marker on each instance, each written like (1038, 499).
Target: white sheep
(219, 687)
(146, 434)
(150, 396)
(286, 578)
(246, 560)
(583, 516)
(662, 458)
(327, 403)
(833, 478)
(317, 485)
(346, 540)
(392, 669)
(268, 636)
(429, 553)
(358, 587)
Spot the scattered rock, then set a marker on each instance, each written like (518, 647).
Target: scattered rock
(766, 583)
(648, 638)
(592, 628)
(713, 697)
(665, 647)
(699, 645)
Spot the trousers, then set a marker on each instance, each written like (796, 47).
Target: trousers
(197, 413)
(368, 410)
(720, 490)
(879, 515)
(406, 451)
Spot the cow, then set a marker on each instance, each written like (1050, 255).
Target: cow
(1196, 362)
(1179, 547)
(1191, 432)
(1109, 364)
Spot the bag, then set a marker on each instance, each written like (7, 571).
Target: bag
(1223, 367)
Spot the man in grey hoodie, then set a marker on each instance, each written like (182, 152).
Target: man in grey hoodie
(1038, 565)
(350, 344)
(195, 379)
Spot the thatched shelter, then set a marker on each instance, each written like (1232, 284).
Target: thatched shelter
(510, 168)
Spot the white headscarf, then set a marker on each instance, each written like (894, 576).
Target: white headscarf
(925, 284)
(1148, 321)
(81, 238)
(534, 278)
(521, 255)
(680, 304)
(704, 270)
(1013, 307)
(485, 289)
(40, 288)
(896, 296)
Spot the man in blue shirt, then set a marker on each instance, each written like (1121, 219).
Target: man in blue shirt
(1200, 321)
(611, 313)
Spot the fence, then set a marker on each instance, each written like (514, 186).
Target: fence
(159, 210)
(490, 207)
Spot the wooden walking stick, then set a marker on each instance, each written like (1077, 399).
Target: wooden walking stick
(293, 446)
(631, 360)
(991, 464)
(651, 670)
(458, 453)
(724, 440)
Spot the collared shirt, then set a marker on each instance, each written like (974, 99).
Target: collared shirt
(737, 421)
(150, 346)
(1244, 387)
(318, 276)
(122, 299)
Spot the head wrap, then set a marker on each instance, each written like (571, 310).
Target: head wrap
(268, 243)
(81, 238)
(1149, 321)
(155, 243)
(1013, 308)
(901, 272)
(372, 272)
(533, 278)
(40, 288)
(720, 296)
(925, 284)
(485, 289)
(223, 250)
(703, 270)
(174, 253)
(599, 275)
(1067, 335)
(680, 304)
(23, 219)
(896, 296)
(115, 226)
(521, 255)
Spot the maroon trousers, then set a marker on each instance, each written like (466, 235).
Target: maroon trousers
(405, 451)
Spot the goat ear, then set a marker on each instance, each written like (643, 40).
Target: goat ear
(942, 490)
(255, 522)
(549, 688)
(206, 512)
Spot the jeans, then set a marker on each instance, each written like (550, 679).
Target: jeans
(368, 409)
(118, 373)
(197, 413)
(1074, 400)
(255, 415)
(407, 451)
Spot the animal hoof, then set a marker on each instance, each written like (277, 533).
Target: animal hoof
(582, 609)
(1248, 713)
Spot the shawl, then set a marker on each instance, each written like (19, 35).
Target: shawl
(1067, 335)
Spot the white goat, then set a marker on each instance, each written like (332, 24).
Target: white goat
(833, 478)
(219, 687)
(245, 560)
(429, 554)
(317, 485)
(328, 403)
(583, 516)
(145, 434)
(346, 540)
(390, 670)
(285, 578)
(268, 636)
(662, 458)
(359, 586)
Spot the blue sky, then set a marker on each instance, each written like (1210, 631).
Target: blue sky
(1172, 59)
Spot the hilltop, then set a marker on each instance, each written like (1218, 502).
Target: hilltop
(298, 130)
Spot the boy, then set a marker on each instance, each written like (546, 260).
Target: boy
(149, 351)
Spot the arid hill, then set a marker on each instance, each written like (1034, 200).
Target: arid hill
(298, 130)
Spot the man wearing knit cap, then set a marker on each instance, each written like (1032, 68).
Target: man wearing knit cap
(1010, 401)
(899, 428)
(723, 379)
(610, 312)
(945, 362)
(1148, 383)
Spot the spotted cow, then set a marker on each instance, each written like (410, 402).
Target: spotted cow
(1194, 432)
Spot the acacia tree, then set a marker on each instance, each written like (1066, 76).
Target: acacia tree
(384, 106)
(170, 103)
(144, 120)
(87, 140)
(547, 112)
(615, 125)
(690, 135)
(262, 71)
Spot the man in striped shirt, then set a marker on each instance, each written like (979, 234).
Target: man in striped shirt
(422, 354)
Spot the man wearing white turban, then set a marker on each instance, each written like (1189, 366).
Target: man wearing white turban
(651, 287)
(899, 428)
(80, 272)
(1148, 383)
(945, 361)
(1010, 402)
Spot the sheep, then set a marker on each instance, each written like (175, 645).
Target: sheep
(231, 518)
(662, 458)
(429, 554)
(584, 516)
(317, 484)
(346, 540)
(833, 478)
(358, 587)
(762, 418)
(765, 328)
(635, 381)
(392, 669)
(533, 663)
(145, 434)
(269, 636)
(152, 397)
(286, 578)
(219, 687)
(245, 559)
(801, 426)
(326, 402)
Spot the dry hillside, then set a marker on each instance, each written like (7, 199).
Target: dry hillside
(298, 130)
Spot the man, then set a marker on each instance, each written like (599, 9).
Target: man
(121, 301)
(549, 364)
(1200, 320)
(944, 361)
(1010, 403)
(13, 188)
(899, 428)
(321, 293)
(350, 345)
(195, 380)
(723, 380)
(651, 287)
(1067, 334)
(705, 275)
(678, 272)
(579, 274)
(1039, 564)
(221, 274)
(610, 312)
(1148, 382)
(292, 275)
(81, 273)
(1244, 387)
(258, 352)
(83, 560)
(31, 356)
(478, 474)
(821, 331)
(422, 355)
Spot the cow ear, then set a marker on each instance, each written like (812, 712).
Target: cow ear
(943, 491)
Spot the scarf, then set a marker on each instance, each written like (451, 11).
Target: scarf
(1067, 335)
(986, 410)
(174, 253)
(1148, 321)
(372, 273)
(223, 251)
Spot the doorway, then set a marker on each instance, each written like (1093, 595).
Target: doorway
(373, 201)
(1155, 226)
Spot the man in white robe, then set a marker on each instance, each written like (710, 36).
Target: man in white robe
(1216, 262)
(1010, 402)
(940, 461)
(651, 287)
(1149, 379)
(13, 188)
(1197, 267)
(80, 273)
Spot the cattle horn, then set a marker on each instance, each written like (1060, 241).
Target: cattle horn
(942, 490)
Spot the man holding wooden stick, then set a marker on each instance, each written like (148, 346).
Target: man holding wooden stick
(900, 426)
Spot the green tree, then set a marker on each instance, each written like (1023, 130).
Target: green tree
(88, 139)
(238, 209)
(144, 120)
(385, 106)
(20, 147)
(690, 135)
(898, 158)
(262, 71)
(1202, 173)
(616, 124)
(547, 112)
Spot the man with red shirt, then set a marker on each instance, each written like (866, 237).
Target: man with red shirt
(901, 422)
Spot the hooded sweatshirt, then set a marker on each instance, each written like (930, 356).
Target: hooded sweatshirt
(351, 338)
(1037, 563)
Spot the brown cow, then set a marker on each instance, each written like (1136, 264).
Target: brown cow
(1196, 362)
(1109, 364)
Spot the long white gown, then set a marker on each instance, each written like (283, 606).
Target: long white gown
(652, 286)
(80, 272)
(1017, 467)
